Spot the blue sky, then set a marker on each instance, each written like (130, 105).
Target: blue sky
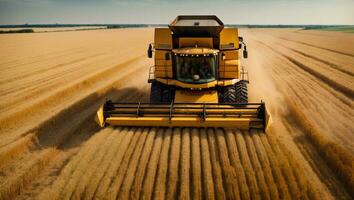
(163, 11)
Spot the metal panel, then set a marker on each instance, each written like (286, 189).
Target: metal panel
(228, 68)
(163, 62)
(197, 26)
(163, 38)
(228, 62)
(160, 54)
(231, 54)
(193, 42)
(210, 96)
(228, 74)
(229, 38)
(163, 74)
(163, 68)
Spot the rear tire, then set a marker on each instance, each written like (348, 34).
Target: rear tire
(161, 93)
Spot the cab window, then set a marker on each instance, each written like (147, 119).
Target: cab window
(195, 69)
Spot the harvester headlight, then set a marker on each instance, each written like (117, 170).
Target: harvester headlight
(195, 77)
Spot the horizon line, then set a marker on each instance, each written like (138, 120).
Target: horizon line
(158, 24)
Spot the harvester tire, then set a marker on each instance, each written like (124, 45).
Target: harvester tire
(234, 93)
(167, 94)
(228, 94)
(160, 93)
(155, 92)
(241, 92)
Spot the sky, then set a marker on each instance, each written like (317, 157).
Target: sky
(164, 11)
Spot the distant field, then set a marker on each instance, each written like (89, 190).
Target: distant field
(342, 29)
(346, 29)
(55, 29)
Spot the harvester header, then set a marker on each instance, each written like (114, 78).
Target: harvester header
(197, 80)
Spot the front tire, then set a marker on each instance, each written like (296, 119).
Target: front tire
(234, 93)
(228, 94)
(161, 93)
(241, 92)
(155, 92)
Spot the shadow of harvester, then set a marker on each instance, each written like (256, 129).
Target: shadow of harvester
(75, 124)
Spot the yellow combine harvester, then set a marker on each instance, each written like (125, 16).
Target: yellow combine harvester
(197, 81)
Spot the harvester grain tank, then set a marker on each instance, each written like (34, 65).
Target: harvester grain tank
(197, 80)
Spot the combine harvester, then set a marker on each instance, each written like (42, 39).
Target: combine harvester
(197, 81)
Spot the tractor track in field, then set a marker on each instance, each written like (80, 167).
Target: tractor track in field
(86, 161)
(11, 65)
(316, 137)
(48, 83)
(305, 84)
(43, 157)
(330, 64)
(35, 139)
(309, 151)
(349, 92)
(316, 46)
(45, 70)
(59, 153)
(50, 101)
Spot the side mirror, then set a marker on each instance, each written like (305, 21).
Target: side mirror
(167, 56)
(245, 53)
(149, 51)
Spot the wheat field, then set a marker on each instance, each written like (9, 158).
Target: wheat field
(51, 84)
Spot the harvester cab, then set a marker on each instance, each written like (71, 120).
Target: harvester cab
(196, 81)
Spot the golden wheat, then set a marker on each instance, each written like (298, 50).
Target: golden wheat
(161, 173)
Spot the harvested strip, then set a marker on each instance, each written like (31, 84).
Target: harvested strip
(160, 183)
(124, 165)
(247, 166)
(236, 163)
(217, 174)
(263, 159)
(274, 163)
(16, 183)
(286, 169)
(84, 165)
(84, 155)
(88, 171)
(148, 185)
(196, 165)
(262, 185)
(16, 149)
(173, 165)
(305, 186)
(208, 185)
(136, 188)
(114, 167)
(229, 175)
(133, 165)
(185, 165)
(103, 167)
